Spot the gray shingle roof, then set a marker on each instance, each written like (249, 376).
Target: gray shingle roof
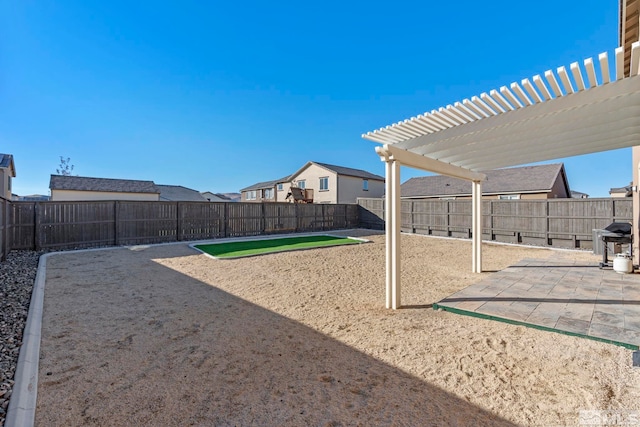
(178, 193)
(527, 179)
(266, 184)
(81, 183)
(358, 173)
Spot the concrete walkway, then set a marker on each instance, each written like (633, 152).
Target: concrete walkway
(570, 297)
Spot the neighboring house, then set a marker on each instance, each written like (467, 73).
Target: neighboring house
(263, 191)
(578, 195)
(214, 197)
(333, 184)
(178, 193)
(317, 182)
(7, 173)
(528, 182)
(64, 187)
(622, 191)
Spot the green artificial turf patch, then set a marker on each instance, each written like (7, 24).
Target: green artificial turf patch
(265, 246)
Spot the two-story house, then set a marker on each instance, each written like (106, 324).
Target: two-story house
(333, 184)
(317, 182)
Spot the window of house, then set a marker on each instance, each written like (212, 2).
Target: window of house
(268, 193)
(251, 195)
(509, 197)
(324, 183)
(302, 184)
(280, 187)
(365, 185)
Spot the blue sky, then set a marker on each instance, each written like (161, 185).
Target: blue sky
(216, 96)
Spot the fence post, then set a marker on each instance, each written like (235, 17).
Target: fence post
(413, 219)
(116, 223)
(263, 219)
(36, 226)
(178, 236)
(448, 218)
(225, 220)
(548, 239)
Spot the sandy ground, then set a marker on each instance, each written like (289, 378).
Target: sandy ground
(165, 336)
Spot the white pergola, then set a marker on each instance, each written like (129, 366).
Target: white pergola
(559, 115)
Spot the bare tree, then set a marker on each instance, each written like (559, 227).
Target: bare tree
(65, 167)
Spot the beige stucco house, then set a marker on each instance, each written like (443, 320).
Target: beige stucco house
(75, 188)
(333, 184)
(7, 173)
(528, 182)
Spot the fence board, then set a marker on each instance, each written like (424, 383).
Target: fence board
(22, 233)
(199, 221)
(147, 222)
(279, 218)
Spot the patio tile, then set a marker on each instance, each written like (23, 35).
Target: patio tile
(578, 313)
(573, 325)
(609, 318)
(541, 319)
(525, 305)
(630, 337)
(515, 315)
(608, 332)
(632, 323)
(470, 305)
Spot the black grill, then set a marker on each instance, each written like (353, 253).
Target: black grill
(617, 233)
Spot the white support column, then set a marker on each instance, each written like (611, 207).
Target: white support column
(477, 227)
(388, 226)
(396, 219)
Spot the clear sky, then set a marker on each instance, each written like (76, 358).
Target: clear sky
(218, 95)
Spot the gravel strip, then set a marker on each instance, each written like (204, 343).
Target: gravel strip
(17, 276)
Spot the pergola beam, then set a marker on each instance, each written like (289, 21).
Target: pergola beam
(417, 161)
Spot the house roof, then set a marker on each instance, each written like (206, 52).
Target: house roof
(527, 179)
(81, 183)
(178, 193)
(6, 162)
(578, 194)
(340, 170)
(207, 194)
(358, 173)
(626, 189)
(266, 184)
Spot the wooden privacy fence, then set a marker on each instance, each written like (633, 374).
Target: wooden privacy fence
(567, 223)
(63, 225)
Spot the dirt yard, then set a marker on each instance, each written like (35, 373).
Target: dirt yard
(166, 336)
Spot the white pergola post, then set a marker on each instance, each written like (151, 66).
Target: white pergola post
(476, 227)
(388, 227)
(396, 220)
(393, 218)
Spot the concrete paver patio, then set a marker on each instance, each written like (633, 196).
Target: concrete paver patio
(566, 296)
